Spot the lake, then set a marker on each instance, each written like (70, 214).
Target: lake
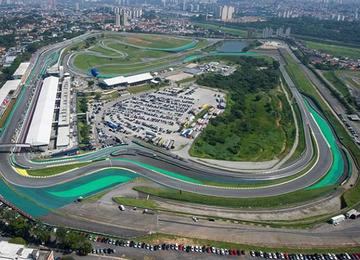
(232, 46)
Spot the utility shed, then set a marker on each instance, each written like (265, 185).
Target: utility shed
(40, 128)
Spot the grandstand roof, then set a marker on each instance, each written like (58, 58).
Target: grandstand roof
(128, 80)
(21, 70)
(40, 127)
(10, 85)
(15, 251)
(64, 112)
(115, 81)
(63, 136)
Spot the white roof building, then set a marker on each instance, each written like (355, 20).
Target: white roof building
(64, 112)
(10, 85)
(63, 133)
(10, 251)
(15, 251)
(63, 137)
(139, 78)
(40, 128)
(121, 80)
(115, 81)
(21, 70)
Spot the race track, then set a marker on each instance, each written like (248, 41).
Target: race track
(132, 161)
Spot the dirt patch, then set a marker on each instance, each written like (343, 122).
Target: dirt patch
(137, 41)
(179, 76)
(278, 122)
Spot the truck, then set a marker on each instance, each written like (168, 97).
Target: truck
(351, 213)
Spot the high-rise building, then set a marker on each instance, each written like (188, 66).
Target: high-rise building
(124, 18)
(280, 31)
(191, 8)
(51, 4)
(288, 32)
(117, 20)
(184, 5)
(268, 33)
(227, 13)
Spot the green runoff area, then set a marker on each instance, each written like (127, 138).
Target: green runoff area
(38, 202)
(338, 164)
(334, 49)
(49, 171)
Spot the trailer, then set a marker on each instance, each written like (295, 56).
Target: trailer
(337, 219)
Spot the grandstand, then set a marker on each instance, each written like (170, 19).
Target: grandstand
(122, 81)
(41, 124)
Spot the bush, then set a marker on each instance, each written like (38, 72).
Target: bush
(17, 240)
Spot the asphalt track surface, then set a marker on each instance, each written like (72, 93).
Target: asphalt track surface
(189, 169)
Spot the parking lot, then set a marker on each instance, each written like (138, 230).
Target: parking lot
(352, 123)
(108, 246)
(169, 117)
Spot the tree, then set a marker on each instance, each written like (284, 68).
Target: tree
(91, 83)
(17, 240)
(97, 96)
(84, 247)
(19, 227)
(60, 235)
(40, 234)
(73, 241)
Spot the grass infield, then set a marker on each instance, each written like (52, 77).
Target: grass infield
(261, 202)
